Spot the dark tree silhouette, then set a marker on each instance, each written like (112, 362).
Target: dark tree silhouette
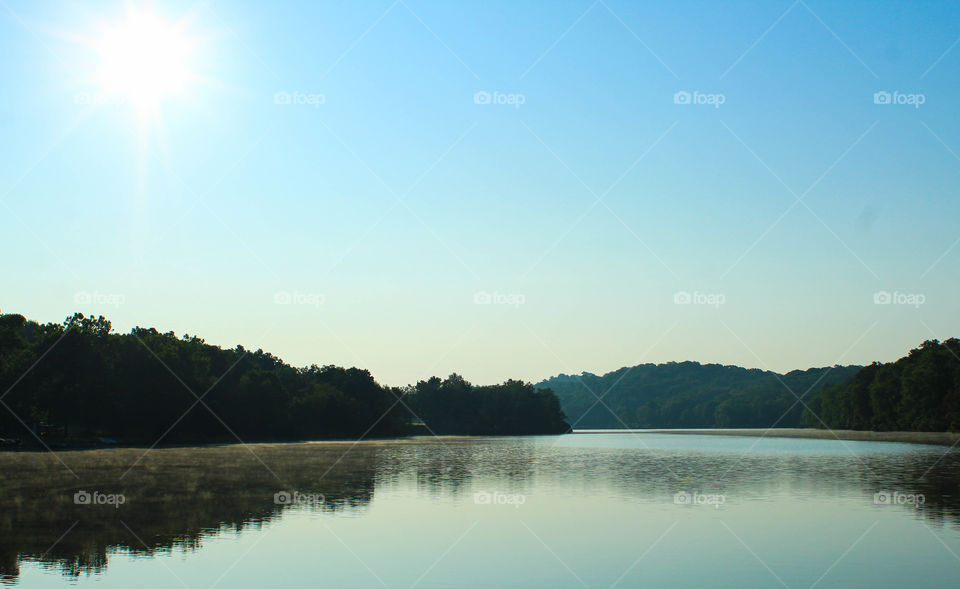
(146, 386)
(919, 392)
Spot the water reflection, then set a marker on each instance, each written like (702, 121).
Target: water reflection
(175, 498)
(172, 499)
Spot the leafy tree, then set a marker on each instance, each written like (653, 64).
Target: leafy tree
(146, 386)
(918, 392)
(690, 395)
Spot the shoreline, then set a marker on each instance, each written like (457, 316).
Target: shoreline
(903, 437)
(86, 447)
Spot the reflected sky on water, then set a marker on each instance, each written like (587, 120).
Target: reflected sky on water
(594, 510)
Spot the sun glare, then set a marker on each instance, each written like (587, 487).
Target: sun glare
(144, 59)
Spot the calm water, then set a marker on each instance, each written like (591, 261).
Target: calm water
(582, 510)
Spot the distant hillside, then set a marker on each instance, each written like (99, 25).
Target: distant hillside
(690, 395)
(919, 392)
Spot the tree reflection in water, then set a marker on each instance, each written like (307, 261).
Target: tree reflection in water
(175, 498)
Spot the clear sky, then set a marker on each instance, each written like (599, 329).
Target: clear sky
(322, 179)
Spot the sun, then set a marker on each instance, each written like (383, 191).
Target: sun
(144, 59)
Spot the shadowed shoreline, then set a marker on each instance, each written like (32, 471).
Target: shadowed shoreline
(930, 438)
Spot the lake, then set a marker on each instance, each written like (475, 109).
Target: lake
(596, 510)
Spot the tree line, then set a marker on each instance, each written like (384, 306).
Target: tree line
(145, 386)
(919, 392)
(691, 395)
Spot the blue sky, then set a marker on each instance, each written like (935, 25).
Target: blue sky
(389, 218)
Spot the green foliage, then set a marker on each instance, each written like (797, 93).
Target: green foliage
(147, 386)
(454, 406)
(920, 392)
(690, 395)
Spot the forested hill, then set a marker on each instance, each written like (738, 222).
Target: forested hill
(79, 381)
(919, 392)
(690, 395)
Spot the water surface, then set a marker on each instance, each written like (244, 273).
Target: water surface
(581, 510)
